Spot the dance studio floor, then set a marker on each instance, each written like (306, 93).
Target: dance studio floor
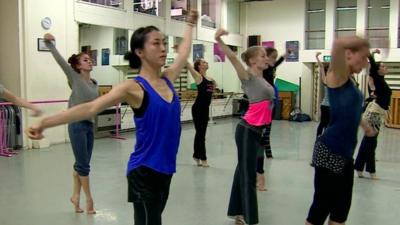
(35, 186)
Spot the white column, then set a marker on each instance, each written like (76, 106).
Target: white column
(394, 23)
(330, 23)
(362, 15)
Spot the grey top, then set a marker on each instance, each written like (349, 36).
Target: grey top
(82, 90)
(257, 89)
(2, 88)
(325, 100)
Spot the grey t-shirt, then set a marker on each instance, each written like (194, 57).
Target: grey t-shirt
(82, 90)
(257, 89)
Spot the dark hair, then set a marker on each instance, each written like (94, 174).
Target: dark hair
(197, 64)
(326, 67)
(137, 42)
(270, 50)
(74, 60)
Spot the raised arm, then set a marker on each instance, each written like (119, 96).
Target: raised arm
(321, 67)
(338, 67)
(9, 96)
(374, 68)
(196, 75)
(129, 91)
(240, 70)
(69, 72)
(173, 72)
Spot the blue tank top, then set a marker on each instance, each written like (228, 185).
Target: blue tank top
(158, 132)
(345, 107)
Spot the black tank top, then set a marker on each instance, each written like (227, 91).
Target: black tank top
(204, 93)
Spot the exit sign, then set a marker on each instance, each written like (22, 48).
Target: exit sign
(327, 58)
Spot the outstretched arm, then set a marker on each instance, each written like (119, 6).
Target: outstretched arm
(173, 72)
(196, 75)
(9, 96)
(69, 72)
(128, 91)
(240, 70)
(321, 67)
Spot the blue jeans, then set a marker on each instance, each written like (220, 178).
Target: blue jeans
(82, 138)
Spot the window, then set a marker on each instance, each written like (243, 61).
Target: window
(315, 31)
(346, 18)
(113, 3)
(152, 7)
(209, 13)
(233, 16)
(180, 8)
(378, 23)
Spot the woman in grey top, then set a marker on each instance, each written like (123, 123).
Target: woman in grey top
(84, 89)
(9, 96)
(325, 113)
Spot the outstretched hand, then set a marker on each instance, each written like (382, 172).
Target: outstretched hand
(220, 32)
(377, 51)
(35, 132)
(49, 37)
(193, 17)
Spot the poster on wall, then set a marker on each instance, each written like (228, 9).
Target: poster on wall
(219, 55)
(198, 51)
(105, 56)
(268, 44)
(93, 55)
(292, 47)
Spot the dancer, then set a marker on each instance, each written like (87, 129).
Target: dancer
(325, 114)
(201, 108)
(243, 200)
(157, 117)
(373, 117)
(334, 149)
(9, 96)
(84, 89)
(269, 75)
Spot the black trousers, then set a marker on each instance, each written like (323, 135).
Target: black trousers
(366, 155)
(266, 143)
(243, 199)
(324, 121)
(149, 191)
(200, 119)
(332, 195)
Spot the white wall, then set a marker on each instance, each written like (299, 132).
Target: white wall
(9, 45)
(281, 21)
(99, 37)
(43, 78)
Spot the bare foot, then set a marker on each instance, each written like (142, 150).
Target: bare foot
(204, 163)
(239, 220)
(373, 176)
(89, 207)
(198, 163)
(360, 174)
(75, 202)
(261, 182)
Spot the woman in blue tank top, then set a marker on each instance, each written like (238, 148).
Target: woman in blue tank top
(334, 149)
(157, 118)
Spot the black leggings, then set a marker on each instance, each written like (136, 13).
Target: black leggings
(324, 121)
(200, 120)
(243, 199)
(332, 195)
(266, 143)
(366, 155)
(149, 191)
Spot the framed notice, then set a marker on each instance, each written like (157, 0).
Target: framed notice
(293, 48)
(105, 56)
(198, 51)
